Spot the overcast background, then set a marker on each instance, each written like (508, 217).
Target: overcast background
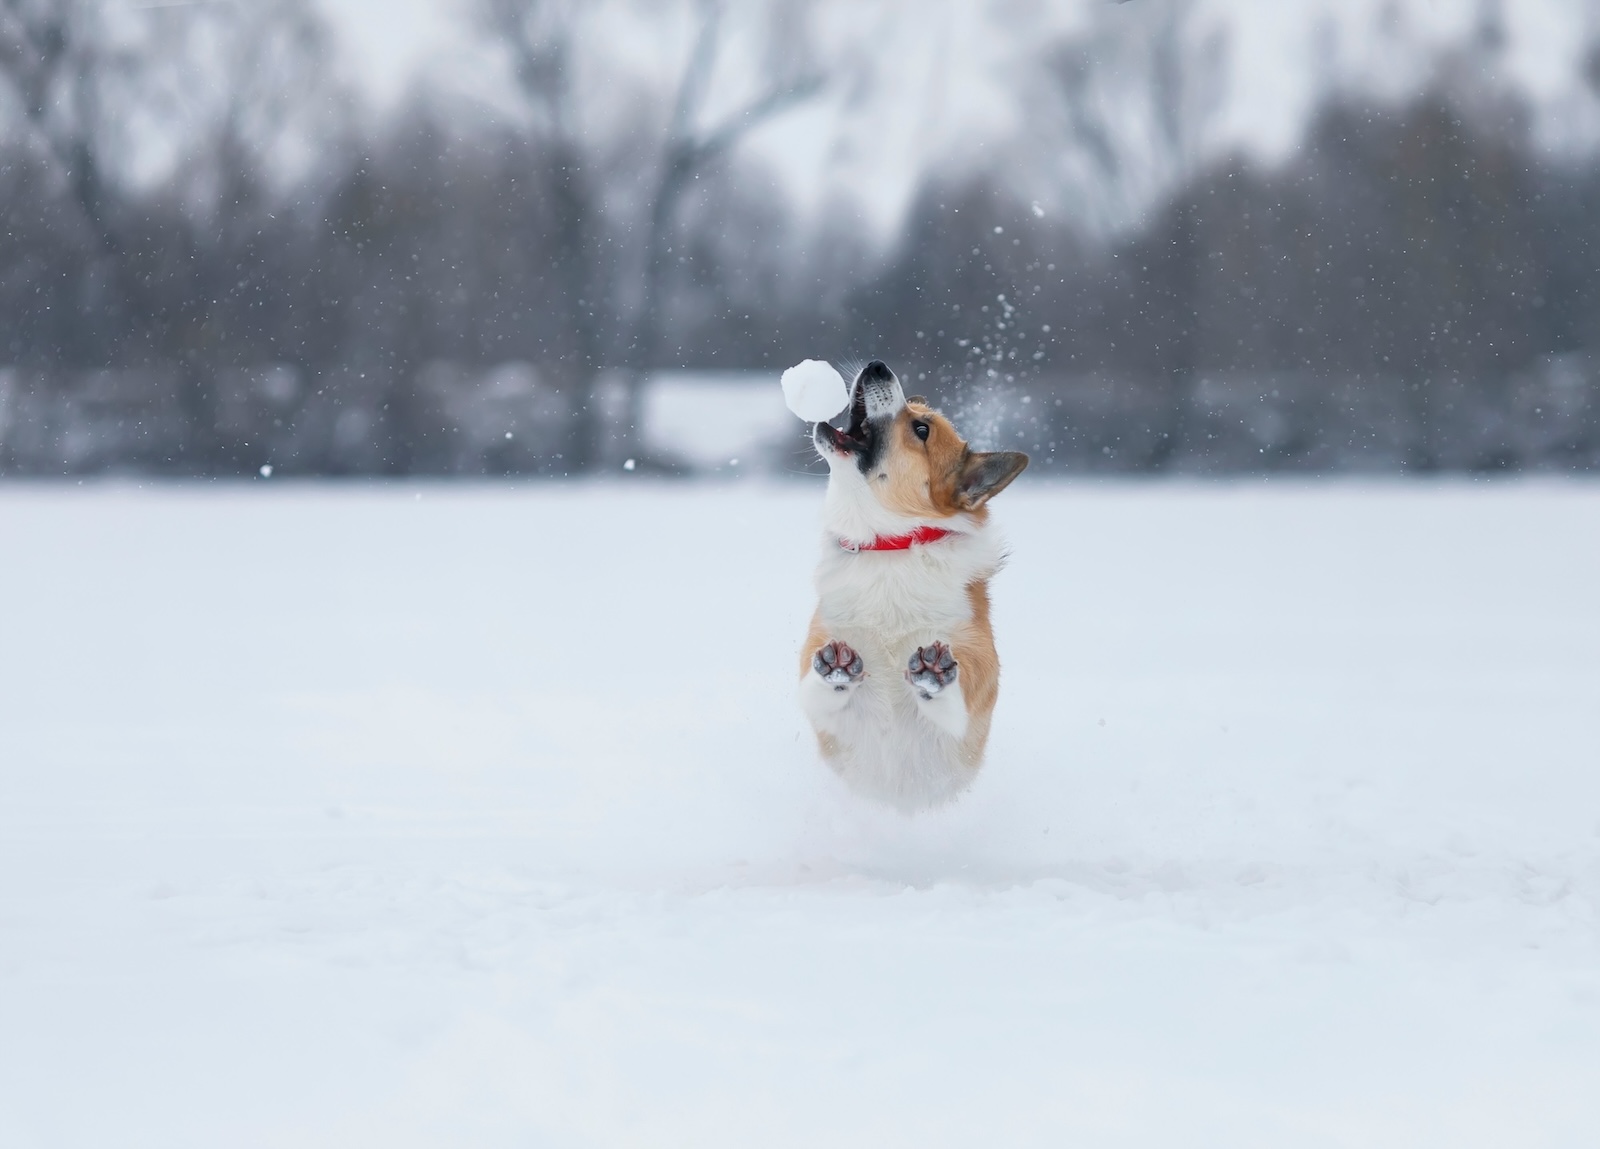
(492, 236)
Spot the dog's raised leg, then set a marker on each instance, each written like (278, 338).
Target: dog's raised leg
(934, 676)
(836, 671)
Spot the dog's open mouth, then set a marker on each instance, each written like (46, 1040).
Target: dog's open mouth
(855, 438)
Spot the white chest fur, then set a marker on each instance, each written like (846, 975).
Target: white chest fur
(893, 596)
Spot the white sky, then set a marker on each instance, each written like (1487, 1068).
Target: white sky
(390, 41)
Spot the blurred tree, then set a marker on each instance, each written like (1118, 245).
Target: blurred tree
(541, 36)
(1130, 97)
(260, 113)
(68, 77)
(154, 133)
(544, 36)
(1137, 90)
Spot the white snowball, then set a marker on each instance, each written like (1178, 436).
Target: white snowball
(815, 391)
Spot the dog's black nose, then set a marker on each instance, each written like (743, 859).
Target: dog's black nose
(876, 372)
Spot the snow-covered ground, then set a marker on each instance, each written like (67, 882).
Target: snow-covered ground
(732, 422)
(453, 816)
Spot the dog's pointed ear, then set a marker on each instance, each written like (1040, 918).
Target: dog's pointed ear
(985, 474)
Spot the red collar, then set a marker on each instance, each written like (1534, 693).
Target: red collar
(899, 542)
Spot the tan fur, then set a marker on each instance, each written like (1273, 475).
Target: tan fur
(975, 652)
(816, 635)
(924, 479)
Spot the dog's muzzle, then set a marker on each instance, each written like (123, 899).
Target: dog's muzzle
(875, 399)
(880, 391)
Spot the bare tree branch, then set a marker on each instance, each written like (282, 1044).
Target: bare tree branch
(685, 154)
(696, 76)
(539, 35)
(768, 107)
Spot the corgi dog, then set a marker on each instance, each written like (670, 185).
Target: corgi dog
(898, 674)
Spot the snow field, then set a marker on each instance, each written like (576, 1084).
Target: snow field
(427, 815)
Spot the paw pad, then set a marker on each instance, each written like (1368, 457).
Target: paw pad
(931, 669)
(838, 664)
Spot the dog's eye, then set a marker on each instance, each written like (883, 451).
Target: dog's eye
(920, 429)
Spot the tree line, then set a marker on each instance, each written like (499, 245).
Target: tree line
(1416, 288)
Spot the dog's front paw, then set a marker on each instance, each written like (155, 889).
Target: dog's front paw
(839, 666)
(931, 669)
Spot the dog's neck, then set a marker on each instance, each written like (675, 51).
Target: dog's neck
(852, 513)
